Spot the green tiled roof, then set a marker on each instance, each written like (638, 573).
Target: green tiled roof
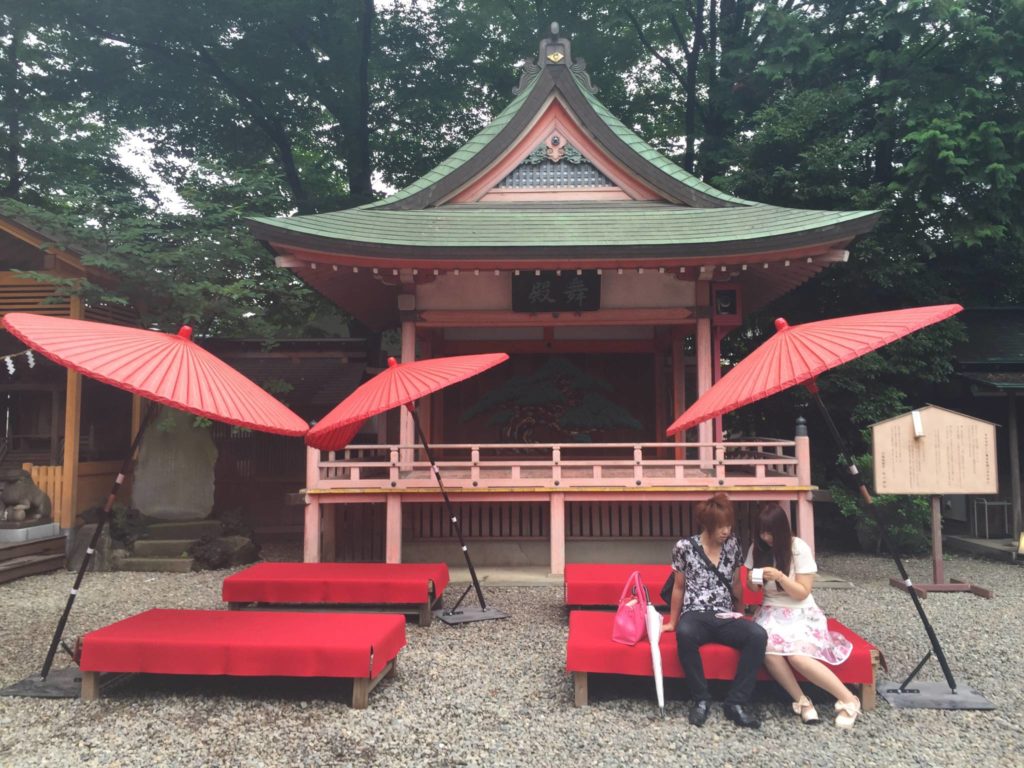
(631, 139)
(577, 224)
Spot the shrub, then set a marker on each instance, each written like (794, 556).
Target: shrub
(907, 518)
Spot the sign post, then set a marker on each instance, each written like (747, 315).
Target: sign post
(933, 451)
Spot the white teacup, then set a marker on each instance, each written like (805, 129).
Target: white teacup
(757, 575)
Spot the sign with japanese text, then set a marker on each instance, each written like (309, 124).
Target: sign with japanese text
(933, 451)
(553, 292)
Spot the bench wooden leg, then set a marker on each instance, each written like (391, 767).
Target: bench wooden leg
(869, 691)
(426, 614)
(90, 686)
(868, 697)
(360, 692)
(579, 680)
(361, 686)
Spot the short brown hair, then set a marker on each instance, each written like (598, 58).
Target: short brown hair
(715, 513)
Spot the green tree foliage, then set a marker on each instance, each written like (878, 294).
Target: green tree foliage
(913, 108)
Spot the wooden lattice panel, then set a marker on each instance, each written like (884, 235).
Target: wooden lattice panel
(112, 313)
(50, 480)
(22, 295)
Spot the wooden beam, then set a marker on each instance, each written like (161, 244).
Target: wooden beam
(311, 533)
(460, 318)
(406, 432)
(393, 530)
(804, 507)
(557, 534)
(704, 364)
(72, 432)
(1015, 489)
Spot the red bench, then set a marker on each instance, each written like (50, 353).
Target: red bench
(160, 641)
(590, 649)
(397, 587)
(600, 584)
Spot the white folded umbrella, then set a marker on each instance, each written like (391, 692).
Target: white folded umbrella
(654, 620)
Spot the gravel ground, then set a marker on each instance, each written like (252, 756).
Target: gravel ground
(495, 693)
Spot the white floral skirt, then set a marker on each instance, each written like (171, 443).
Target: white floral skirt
(802, 632)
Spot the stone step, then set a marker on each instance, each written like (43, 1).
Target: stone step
(162, 547)
(30, 565)
(50, 546)
(162, 564)
(184, 529)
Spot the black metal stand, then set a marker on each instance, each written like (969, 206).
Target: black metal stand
(454, 615)
(952, 698)
(37, 685)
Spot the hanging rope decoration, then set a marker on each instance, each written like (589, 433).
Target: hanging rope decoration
(29, 358)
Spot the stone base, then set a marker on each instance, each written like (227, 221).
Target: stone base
(80, 539)
(28, 530)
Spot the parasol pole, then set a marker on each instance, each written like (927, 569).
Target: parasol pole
(126, 467)
(485, 612)
(857, 480)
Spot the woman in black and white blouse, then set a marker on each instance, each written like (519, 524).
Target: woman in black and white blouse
(706, 586)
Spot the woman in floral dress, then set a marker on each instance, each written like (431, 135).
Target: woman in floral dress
(798, 634)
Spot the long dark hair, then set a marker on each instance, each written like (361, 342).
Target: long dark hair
(773, 519)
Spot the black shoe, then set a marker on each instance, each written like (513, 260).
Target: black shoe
(700, 712)
(740, 716)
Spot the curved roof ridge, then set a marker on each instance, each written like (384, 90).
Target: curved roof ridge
(649, 153)
(463, 153)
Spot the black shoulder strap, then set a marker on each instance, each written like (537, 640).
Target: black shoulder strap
(709, 564)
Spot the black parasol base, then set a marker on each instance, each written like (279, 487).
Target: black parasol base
(932, 696)
(911, 695)
(63, 683)
(468, 615)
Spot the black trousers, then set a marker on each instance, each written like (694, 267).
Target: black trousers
(695, 628)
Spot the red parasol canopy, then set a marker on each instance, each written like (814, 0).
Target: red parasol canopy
(163, 367)
(797, 354)
(399, 384)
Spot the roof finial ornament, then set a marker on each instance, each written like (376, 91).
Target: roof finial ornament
(555, 51)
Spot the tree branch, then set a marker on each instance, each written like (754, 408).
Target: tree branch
(665, 61)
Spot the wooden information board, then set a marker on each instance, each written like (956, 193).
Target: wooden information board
(954, 454)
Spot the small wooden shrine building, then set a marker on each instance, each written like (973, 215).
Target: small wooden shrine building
(68, 431)
(559, 236)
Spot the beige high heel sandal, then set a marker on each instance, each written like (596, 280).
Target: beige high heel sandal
(806, 710)
(847, 713)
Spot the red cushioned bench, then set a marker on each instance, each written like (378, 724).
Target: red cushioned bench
(363, 647)
(590, 649)
(600, 584)
(396, 587)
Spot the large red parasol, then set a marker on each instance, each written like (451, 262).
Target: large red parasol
(164, 368)
(799, 353)
(402, 384)
(398, 384)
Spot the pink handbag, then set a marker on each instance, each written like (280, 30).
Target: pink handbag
(630, 624)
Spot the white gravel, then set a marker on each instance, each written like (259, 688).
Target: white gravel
(495, 693)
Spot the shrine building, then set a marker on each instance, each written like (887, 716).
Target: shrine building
(610, 276)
